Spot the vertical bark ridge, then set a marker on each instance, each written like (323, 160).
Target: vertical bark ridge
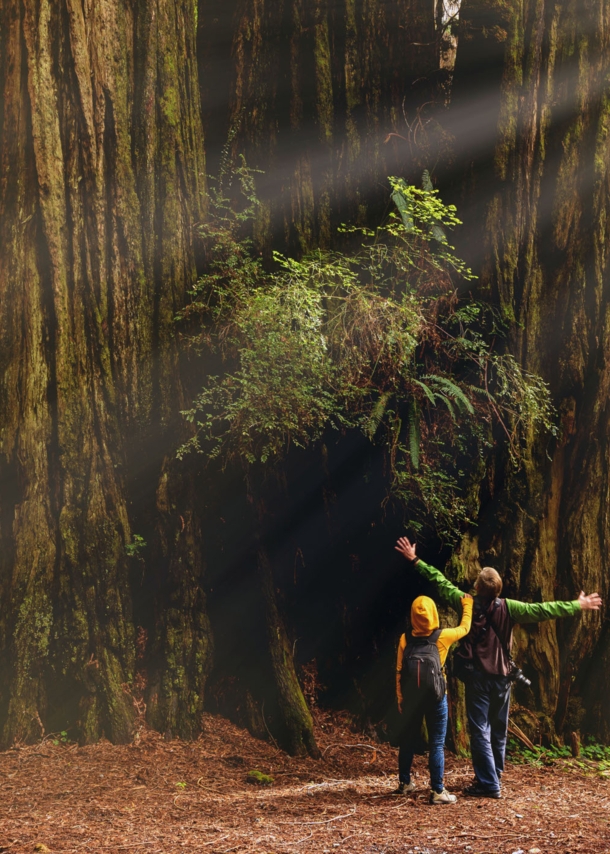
(103, 179)
(544, 198)
(183, 644)
(315, 88)
(295, 724)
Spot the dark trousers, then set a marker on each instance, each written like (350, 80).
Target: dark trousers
(487, 707)
(435, 714)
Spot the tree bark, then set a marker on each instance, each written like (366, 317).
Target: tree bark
(314, 90)
(295, 726)
(543, 196)
(183, 637)
(101, 180)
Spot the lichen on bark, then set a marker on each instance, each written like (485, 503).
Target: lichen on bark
(313, 91)
(99, 192)
(543, 198)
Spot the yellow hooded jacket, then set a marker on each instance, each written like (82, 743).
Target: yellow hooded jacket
(424, 620)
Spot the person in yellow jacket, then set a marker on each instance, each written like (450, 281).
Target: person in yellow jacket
(425, 622)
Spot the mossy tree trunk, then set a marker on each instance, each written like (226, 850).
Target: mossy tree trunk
(308, 92)
(294, 728)
(101, 180)
(542, 194)
(314, 89)
(183, 644)
(272, 691)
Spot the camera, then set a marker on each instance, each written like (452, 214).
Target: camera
(517, 676)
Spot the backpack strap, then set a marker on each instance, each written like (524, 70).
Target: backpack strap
(503, 645)
(486, 625)
(432, 638)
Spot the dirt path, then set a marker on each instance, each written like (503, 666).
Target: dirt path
(163, 797)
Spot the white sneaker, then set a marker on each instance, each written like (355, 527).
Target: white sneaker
(443, 797)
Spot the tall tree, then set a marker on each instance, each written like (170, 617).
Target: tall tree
(101, 181)
(313, 89)
(308, 93)
(530, 116)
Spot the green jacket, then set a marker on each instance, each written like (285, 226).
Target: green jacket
(519, 612)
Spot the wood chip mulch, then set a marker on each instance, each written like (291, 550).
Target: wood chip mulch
(163, 797)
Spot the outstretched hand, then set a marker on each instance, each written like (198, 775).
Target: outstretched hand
(592, 602)
(406, 548)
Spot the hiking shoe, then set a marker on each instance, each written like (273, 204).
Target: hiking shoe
(405, 788)
(478, 791)
(443, 797)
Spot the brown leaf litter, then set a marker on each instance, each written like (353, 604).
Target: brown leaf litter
(159, 797)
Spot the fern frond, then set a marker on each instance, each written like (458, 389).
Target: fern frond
(404, 209)
(426, 181)
(427, 391)
(414, 434)
(452, 390)
(449, 406)
(378, 411)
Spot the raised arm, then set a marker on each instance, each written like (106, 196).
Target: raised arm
(447, 591)
(537, 612)
(450, 636)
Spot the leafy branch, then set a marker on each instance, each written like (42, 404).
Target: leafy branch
(374, 339)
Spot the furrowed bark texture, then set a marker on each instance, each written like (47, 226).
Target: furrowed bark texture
(308, 92)
(183, 641)
(295, 731)
(101, 180)
(314, 88)
(543, 196)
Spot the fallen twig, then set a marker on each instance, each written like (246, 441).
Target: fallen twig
(210, 788)
(327, 821)
(518, 733)
(298, 842)
(345, 746)
(214, 841)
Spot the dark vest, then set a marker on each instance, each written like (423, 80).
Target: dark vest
(482, 646)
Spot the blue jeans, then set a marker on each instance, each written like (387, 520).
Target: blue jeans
(487, 705)
(436, 721)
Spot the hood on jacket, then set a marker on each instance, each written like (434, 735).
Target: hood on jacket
(424, 617)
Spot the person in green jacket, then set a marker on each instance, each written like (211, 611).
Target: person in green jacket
(486, 651)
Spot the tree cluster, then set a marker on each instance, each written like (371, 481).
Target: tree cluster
(339, 366)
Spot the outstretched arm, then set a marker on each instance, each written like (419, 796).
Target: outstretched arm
(447, 591)
(592, 602)
(536, 612)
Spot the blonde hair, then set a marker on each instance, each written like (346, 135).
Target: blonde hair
(488, 584)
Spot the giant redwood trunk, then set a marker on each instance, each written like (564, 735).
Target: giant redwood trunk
(313, 90)
(101, 182)
(295, 724)
(531, 89)
(182, 647)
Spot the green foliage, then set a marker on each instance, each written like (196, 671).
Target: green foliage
(374, 338)
(257, 778)
(594, 757)
(596, 752)
(133, 548)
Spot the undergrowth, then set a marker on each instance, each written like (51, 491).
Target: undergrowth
(383, 337)
(594, 758)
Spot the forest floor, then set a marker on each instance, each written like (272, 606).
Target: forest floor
(160, 797)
